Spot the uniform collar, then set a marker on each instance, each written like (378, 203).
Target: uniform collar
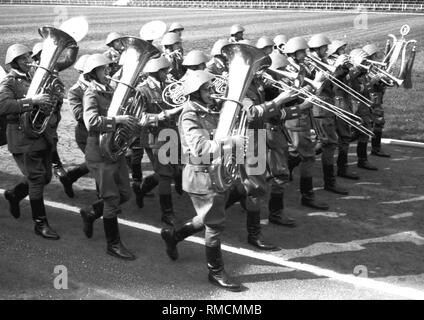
(100, 87)
(19, 74)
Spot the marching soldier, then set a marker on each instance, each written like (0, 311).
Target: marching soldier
(157, 117)
(336, 52)
(176, 28)
(32, 155)
(216, 65)
(173, 52)
(195, 60)
(236, 33)
(279, 43)
(196, 125)
(266, 44)
(111, 177)
(300, 129)
(376, 95)
(114, 51)
(325, 120)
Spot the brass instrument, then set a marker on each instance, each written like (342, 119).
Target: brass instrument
(220, 85)
(173, 94)
(243, 62)
(126, 99)
(45, 81)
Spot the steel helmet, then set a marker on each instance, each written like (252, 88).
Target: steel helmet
(318, 40)
(236, 28)
(175, 26)
(94, 61)
(295, 44)
(370, 49)
(37, 48)
(14, 51)
(195, 80)
(170, 38)
(194, 58)
(281, 39)
(334, 46)
(263, 42)
(154, 65)
(79, 65)
(278, 61)
(112, 37)
(216, 49)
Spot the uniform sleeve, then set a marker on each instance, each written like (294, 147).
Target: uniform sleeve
(196, 137)
(8, 103)
(147, 119)
(75, 97)
(93, 121)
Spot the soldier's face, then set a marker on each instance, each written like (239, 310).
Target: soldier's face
(341, 50)
(101, 73)
(300, 55)
(117, 45)
(322, 51)
(238, 36)
(267, 50)
(24, 62)
(205, 92)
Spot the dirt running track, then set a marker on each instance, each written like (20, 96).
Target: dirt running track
(376, 232)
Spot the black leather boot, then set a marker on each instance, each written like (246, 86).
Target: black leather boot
(330, 183)
(276, 211)
(363, 162)
(293, 162)
(41, 226)
(254, 235)
(178, 183)
(308, 196)
(14, 196)
(89, 215)
(376, 146)
(168, 215)
(342, 167)
(114, 245)
(64, 179)
(217, 275)
(171, 236)
(142, 191)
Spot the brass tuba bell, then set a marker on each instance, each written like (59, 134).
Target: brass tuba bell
(243, 62)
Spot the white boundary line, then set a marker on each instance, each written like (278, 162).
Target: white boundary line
(348, 11)
(403, 143)
(387, 288)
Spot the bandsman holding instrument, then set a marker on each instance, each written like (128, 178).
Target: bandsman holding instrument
(266, 44)
(194, 60)
(236, 33)
(176, 28)
(216, 65)
(173, 51)
(114, 51)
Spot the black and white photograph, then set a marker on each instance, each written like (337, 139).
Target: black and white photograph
(211, 155)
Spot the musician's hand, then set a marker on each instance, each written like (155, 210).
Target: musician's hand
(42, 99)
(341, 60)
(320, 76)
(126, 120)
(162, 116)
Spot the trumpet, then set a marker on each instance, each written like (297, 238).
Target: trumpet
(350, 118)
(327, 70)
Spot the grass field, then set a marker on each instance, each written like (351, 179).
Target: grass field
(404, 109)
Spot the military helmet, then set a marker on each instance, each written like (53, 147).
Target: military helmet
(281, 39)
(318, 40)
(334, 46)
(295, 44)
(112, 37)
(14, 51)
(94, 61)
(37, 48)
(263, 42)
(79, 65)
(175, 26)
(170, 38)
(195, 80)
(154, 65)
(236, 28)
(194, 58)
(370, 49)
(278, 60)
(216, 49)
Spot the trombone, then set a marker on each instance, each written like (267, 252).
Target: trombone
(327, 70)
(350, 118)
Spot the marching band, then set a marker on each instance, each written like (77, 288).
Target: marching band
(244, 119)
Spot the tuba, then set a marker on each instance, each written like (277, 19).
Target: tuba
(45, 81)
(243, 62)
(126, 99)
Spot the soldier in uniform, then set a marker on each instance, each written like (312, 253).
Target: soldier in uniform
(173, 52)
(177, 28)
(216, 65)
(114, 51)
(32, 154)
(236, 33)
(157, 117)
(300, 129)
(111, 176)
(325, 120)
(194, 60)
(279, 43)
(376, 96)
(196, 125)
(266, 44)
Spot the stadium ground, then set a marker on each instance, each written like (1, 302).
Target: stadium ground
(375, 232)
